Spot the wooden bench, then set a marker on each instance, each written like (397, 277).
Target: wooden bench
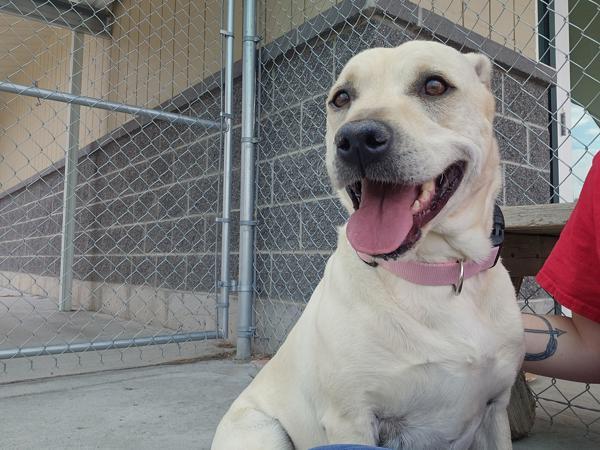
(530, 235)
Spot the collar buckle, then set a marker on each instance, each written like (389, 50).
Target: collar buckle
(461, 278)
(497, 235)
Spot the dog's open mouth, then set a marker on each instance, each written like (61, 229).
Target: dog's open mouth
(388, 218)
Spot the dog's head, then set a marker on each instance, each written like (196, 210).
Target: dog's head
(411, 150)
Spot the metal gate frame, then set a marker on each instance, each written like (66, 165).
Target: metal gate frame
(246, 285)
(75, 100)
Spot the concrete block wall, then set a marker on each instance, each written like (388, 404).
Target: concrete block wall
(297, 211)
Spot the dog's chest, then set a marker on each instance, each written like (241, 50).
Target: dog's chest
(400, 434)
(434, 418)
(440, 403)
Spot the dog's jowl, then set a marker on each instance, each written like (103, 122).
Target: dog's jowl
(413, 338)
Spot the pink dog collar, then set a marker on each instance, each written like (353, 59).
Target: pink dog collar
(435, 274)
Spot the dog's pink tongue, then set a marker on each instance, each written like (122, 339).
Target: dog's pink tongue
(384, 218)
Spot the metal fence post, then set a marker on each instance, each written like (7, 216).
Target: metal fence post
(247, 222)
(225, 282)
(68, 223)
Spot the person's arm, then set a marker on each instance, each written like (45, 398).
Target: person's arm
(562, 347)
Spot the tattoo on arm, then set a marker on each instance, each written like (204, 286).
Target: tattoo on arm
(553, 334)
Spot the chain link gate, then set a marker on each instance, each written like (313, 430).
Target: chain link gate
(547, 88)
(116, 134)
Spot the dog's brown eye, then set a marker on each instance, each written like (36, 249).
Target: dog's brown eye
(435, 86)
(341, 99)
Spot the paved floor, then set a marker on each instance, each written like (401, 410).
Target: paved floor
(558, 436)
(81, 401)
(164, 407)
(33, 321)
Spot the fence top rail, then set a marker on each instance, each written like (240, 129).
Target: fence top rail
(65, 97)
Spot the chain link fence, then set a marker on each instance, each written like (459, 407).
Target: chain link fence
(547, 89)
(111, 182)
(119, 184)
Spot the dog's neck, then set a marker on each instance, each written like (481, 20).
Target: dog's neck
(465, 233)
(470, 244)
(456, 240)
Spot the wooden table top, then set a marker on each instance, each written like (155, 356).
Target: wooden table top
(531, 233)
(546, 220)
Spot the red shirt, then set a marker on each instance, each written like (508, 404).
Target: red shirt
(571, 273)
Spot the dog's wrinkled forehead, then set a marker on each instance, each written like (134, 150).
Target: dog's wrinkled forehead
(406, 67)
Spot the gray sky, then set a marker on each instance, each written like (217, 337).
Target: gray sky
(585, 135)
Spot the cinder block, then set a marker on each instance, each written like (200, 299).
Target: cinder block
(512, 140)
(526, 100)
(110, 157)
(302, 72)
(191, 312)
(143, 207)
(497, 81)
(82, 267)
(526, 186)
(174, 135)
(190, 161)
(274, 320)
(300, 176)
(172, 201)
(540, 152)
(188, 235)
(314, 122)
(128, 239)
(158, 237)
(203, 195)
(320, 221)
(147, 306)
(280, 133)
(278, 228)
(143, 270)
(200, 275)
(264, 183)
(170, 272)
(211, 146)
(295, 276)
(159, 171)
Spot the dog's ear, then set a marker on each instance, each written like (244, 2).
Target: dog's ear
(482, 66)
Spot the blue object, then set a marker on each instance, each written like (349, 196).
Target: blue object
(348, 447)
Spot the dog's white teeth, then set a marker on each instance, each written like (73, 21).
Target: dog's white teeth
(427, 190)
(416, 206)
(428, 187)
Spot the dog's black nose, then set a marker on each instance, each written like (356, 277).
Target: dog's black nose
(363, 142)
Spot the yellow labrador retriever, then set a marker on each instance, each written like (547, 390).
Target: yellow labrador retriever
(413, 338)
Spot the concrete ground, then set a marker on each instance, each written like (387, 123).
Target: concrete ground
(164, 407)
(31, 321)
(110, 400)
